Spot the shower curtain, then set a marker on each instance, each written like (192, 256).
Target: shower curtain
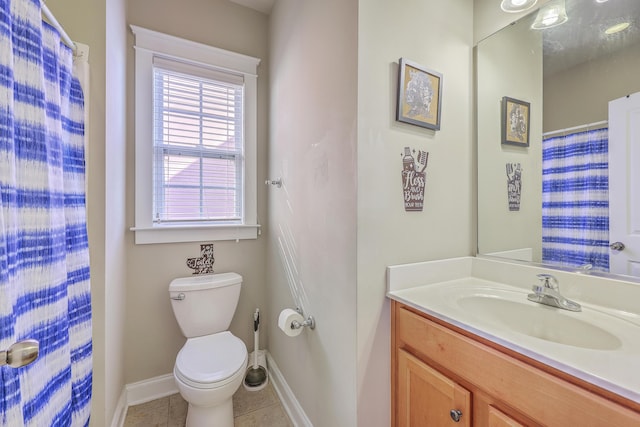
(575, 200)
(44, 258)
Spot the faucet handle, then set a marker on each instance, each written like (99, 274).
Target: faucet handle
(549, 281)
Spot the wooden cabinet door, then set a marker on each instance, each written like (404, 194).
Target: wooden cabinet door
(426, 397)
(497, 418)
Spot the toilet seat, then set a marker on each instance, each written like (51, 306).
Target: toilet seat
(211, 361)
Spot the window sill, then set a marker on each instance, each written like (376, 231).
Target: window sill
(194, 233)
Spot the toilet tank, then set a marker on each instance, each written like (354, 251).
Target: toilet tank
(204, 305)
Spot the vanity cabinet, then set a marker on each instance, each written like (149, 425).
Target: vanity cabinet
(497, 418)
(440, 371)
(427, 397)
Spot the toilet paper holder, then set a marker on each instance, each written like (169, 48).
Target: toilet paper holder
(310, 321)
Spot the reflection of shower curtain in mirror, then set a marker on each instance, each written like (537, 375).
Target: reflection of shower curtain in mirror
(575, 199)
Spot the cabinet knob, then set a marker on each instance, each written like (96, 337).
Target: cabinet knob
(455, 415)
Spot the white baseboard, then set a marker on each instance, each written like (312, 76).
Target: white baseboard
(120, 413)
(142, 392)
(147, 390)
(164, 385)
(288, 399)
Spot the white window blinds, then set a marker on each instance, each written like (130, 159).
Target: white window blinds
(198, 144)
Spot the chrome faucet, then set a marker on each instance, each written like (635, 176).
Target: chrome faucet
(548, 293)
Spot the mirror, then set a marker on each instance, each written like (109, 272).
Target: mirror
(563, 79)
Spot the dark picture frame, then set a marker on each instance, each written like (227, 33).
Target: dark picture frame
(515, 122)
(419, 95)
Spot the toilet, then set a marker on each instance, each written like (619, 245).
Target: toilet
(212, 363)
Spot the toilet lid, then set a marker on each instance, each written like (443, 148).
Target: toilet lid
(210, 360)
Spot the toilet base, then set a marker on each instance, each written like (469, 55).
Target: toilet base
(211, 406)
(206, 416)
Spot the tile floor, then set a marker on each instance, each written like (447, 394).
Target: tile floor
(250, 409)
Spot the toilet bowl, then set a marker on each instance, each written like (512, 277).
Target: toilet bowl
(211, 365)
(208, 371)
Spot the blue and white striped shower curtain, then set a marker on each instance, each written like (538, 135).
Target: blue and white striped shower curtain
(44, 258)
(575, 200)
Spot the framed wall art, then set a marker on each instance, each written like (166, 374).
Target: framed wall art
(515, 122)
(419, 95)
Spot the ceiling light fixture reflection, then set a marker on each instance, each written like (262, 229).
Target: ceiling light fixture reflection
(617, 28)
(514, 6)
(551, 15)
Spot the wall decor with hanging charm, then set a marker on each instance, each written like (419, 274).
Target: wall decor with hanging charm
(514, 185)
(414, 178)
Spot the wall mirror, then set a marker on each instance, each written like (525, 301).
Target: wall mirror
(568, 88)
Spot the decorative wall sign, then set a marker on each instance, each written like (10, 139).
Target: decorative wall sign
(203, 264)
(514, 185)
(413, 179)
(419, 95)
(515, 122)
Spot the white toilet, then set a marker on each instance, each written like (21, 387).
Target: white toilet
(211, 365)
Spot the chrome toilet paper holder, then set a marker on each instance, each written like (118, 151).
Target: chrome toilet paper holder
(309, 322)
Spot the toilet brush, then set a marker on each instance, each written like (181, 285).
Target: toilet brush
(256, 374)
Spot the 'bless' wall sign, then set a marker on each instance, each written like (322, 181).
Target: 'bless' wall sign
(413, 178)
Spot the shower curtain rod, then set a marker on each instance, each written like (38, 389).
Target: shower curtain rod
(63, 34)
(576, 128)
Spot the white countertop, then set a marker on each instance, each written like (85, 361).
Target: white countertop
(435, 288)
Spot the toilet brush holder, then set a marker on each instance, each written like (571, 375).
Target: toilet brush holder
(253, 375)
(256, 377)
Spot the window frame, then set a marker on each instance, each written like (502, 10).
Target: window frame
(149, 45)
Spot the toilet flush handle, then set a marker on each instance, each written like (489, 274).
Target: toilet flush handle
(179, 297)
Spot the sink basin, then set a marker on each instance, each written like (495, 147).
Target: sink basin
(539, 321)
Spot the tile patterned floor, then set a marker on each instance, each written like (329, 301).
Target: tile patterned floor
(250, 409)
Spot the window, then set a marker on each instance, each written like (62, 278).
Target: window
(195, 141)
(197, 148)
